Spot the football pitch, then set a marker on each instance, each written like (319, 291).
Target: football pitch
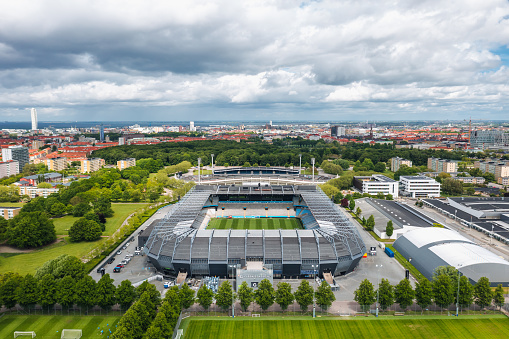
(51, 326)
(415, 327)
(255, 223)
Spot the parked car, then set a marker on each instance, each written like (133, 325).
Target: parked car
(119, 252)
(124, 262)
(120, 265)
(112, 259)
(117, 269)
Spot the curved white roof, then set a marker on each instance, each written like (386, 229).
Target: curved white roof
(426, 235)
(464, 254)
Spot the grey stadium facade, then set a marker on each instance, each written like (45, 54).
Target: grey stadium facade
(329, 241)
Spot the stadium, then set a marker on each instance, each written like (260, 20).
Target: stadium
(296, 230)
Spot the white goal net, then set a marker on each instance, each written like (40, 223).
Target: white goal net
(70, 334)
(18, 333)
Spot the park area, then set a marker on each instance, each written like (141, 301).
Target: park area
(488, 326)
(24, 262)
(51, 326)
(255, 223)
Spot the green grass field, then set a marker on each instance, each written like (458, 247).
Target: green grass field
(415, 327)
(63, 224)
(46, 326)
(24, 263)
(255, 224)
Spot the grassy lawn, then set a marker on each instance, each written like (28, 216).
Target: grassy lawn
(255, 223)
(406, 264)
(24, 263)
(12, 204)
(122, 211)
(49, 326)
(423, 327)
(203, 172)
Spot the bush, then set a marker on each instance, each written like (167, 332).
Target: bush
(85, 230)
(30, 229)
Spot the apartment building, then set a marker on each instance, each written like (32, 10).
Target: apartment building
(396, 163)
(442, 165)
(377, 184)
(91, 165)
(9, 212)
(18, 153)
(34, 192)
(56, 164)
(499, 168)
(472, 180)
(417, 186)
(126, 163)
(8, 168)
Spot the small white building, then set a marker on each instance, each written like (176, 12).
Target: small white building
(377, 183)
(416, 186)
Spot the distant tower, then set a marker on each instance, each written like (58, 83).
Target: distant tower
(34, 118)
(191, 126)
(101, 133)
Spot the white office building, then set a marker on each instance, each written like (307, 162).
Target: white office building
(191, 126)
(416, 186)
(33, 113)
(377, 183)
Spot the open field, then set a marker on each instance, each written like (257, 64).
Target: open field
(255, 223)
(63, 224)
(24, 263)
(46, 326)
(305, 328)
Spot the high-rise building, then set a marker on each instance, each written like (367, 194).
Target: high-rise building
(8, 168)
(396, 163)
(337, 131)
(101, 133)
(191, 126)
(91, 165)
(442, 165)
(486, 138)
(121, 141)
(33, 113)
(18, 153)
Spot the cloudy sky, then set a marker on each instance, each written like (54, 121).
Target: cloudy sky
(254, 60)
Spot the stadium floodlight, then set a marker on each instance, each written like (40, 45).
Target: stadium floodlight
(233, 293)
(378, 288)
(458, 293)
(313, 164)
(199, 167)
(300, 163)
(212, 155)
(315, 267)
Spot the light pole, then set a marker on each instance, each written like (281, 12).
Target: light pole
(212, 163)
(313, 165)
(315, 267)
(378, 287)
(233, 293)
(458, 293)
(199, 164)
(300, 163)
(491, 235)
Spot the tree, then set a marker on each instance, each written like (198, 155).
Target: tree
(81, 209)
(351, 206)
(304, 295)
(30, 229)
(125, 294)
(452, 186)
(358, 211)
(8, 286)
(370, 223)
(205, 296)
(3, 229)
(64, 265)
(224, 295)
(404, 294)
(380, 167)
(449, 271)
(365, 294)
(26, 293)
(423, 293)
(46, 291)
(264, 295)
(85, 230)
(466, 292)
(389, 230)
(385, 294)
(498, 296)
(482, 293)
(66, 294)
(58, 209)
(186, 295)
(443, 292)
(324, 295)
(151, 291)
(284, 296)
(245, 295)
(86, 295)
(106, 292)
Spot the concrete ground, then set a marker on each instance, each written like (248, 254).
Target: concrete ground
(368, 210)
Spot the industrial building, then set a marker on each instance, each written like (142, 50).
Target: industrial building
(416, 186)
(433, 247)
(329, 243)
(375, 184)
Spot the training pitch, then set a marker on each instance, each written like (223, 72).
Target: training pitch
(51, 326)
(414, 327)
(255, 223)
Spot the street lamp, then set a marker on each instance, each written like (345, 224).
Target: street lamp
(315, 268)
(212, 162)
(378, 287)
(233, 293)
(199, 163)
(491, 235)
(300, 163)
(313, 164)
(458, 293)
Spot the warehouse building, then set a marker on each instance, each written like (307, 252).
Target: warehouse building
(433, 247)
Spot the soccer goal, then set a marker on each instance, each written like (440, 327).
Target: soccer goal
(70, 334)
(18, 333)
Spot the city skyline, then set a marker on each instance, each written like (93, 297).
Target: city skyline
(238, 61)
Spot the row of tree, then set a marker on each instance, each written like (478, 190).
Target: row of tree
(443, 291)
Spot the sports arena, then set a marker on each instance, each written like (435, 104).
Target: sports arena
(296, 230)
